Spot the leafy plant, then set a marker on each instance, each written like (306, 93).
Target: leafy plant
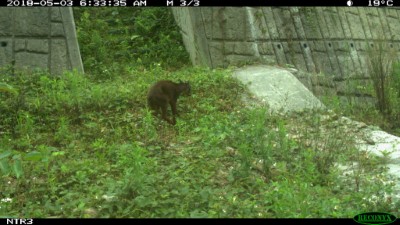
(7, 88)
(384, 72)
(135, 37)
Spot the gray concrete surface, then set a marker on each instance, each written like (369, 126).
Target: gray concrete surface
(333, 42)
(35, 37)
(278, 88)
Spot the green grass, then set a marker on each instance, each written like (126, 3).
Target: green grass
(87, 146)
(109, 37)
(72, 146)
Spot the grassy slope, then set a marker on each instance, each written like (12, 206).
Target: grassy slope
(91, 149)
(85, 146)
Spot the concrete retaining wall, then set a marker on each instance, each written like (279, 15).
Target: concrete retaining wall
(39, 38)
(329, 40)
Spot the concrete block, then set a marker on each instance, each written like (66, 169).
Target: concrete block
(37, 45)
(279, 88)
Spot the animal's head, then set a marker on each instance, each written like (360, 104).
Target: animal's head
(184, 88)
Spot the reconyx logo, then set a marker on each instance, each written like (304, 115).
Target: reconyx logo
(374, 218)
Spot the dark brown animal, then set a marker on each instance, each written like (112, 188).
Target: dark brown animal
(164, 93)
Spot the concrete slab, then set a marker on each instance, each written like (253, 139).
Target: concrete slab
(279, 88)
(384, 143)
(283, 92)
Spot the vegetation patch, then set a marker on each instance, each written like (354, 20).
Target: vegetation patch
(87, 146)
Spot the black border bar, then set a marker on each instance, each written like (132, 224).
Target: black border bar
(198, 3)
(182, 221)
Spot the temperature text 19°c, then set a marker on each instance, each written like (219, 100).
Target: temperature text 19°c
(380, 2)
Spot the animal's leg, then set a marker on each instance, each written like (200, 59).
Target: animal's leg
(164, 114)
(173, 108)
(156, 111)
(174, 111)
(151, 103)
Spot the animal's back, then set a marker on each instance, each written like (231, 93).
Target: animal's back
(163, 87)
(160, 93)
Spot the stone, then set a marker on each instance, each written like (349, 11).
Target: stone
(6, 24)
(55, 14)
(368, 140)
(36, 60)
(59, 57)
(57, 30)
(231, 151)
(37, 45)
(20, 44)
(6, 51)
(26, 26)
(279, 88)
(361, 125)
